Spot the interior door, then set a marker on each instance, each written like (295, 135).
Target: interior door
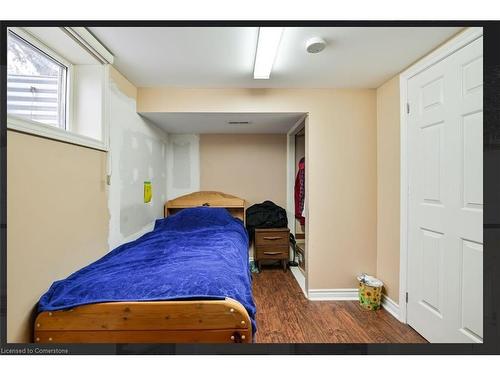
(445, 198)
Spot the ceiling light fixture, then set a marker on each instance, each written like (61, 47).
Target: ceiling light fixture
(267, 48)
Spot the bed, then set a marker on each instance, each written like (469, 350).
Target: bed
(188, 280)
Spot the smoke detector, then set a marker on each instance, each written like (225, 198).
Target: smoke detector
(315, 45)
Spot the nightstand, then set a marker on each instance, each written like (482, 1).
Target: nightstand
(272, 244)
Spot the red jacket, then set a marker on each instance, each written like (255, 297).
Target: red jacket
(300, 191)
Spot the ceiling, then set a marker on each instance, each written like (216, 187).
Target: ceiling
(220, 57)
(217, 123)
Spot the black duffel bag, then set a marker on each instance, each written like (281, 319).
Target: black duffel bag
(265, 215)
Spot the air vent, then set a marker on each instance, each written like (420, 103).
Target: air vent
(238, 122)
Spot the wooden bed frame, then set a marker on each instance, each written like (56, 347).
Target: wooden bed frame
(235, 205)
(200, 321)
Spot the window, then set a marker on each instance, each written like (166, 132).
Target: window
(57, 85)
(36, 84)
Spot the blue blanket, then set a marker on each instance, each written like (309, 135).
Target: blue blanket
(198, 253)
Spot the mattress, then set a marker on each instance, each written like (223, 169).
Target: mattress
(197, 253)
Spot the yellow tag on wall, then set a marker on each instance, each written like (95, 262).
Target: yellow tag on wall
(148, 192)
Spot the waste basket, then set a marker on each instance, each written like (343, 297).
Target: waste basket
(370, 292)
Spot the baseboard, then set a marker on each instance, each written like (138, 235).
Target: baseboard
(333, 294)
(391, 307)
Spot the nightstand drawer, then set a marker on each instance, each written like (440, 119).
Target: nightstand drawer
(272, 252)
(273, 238)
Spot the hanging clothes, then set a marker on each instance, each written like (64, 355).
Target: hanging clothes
(300, 191)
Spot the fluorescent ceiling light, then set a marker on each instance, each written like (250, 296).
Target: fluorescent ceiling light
(267, 48)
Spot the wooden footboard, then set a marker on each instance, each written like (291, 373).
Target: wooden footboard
(207, 321)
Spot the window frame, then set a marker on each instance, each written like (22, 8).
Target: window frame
(65, 134)
(68, 94)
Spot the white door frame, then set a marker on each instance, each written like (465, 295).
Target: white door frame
(290, 184)
(290, 171)
(459, 41)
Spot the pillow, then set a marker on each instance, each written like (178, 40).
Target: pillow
(195, 218)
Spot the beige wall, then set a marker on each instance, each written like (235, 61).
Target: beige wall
(388, 182)
(250, 166)
(388, 186)
(57, 220)
(340, 166)
(123, 83)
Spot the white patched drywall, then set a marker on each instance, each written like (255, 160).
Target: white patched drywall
(183, 164)
(138, 153)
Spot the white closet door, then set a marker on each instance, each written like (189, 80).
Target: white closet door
(445, 199)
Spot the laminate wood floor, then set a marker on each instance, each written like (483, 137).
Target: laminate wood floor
(284, 315)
